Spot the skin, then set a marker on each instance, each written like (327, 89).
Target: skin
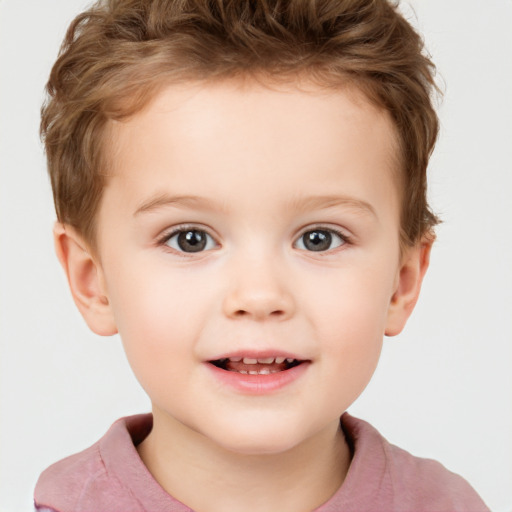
(255, 168)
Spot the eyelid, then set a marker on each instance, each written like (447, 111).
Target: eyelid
(342, 234)
(168, 233)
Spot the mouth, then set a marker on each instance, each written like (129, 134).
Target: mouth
(257, 366)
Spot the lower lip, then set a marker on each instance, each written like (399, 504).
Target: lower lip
(258, 384)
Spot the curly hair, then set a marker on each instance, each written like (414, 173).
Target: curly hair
(116, 55)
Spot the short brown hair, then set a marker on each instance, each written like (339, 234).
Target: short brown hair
(119, 52)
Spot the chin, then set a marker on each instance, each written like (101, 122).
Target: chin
(254, 447)
(258, 439)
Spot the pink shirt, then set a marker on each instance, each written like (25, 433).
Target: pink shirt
(110, 477)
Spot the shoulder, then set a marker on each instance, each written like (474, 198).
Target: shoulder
(62, 484)
(420, 480)
(89, 479)
(406, 481)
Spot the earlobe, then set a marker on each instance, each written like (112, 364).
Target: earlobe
(85, 280)
(410, 276)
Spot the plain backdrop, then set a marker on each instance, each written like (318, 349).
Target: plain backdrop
(443, 388)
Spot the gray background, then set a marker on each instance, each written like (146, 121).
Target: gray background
(443, 388)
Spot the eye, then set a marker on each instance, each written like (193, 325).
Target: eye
(190, 240)
(319, 240)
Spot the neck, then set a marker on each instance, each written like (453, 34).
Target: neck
(300, 479)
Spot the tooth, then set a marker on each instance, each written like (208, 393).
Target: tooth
(266, 360)
(253, 372)
(280, 360)
(265, 371)
(243, 371)
(289, 360)
(248, 360)
(235, 359)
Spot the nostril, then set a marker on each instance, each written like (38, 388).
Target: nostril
(276, 313)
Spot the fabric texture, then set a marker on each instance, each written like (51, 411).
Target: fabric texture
(110, 477)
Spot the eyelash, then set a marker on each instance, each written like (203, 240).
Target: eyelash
(184, 228)
(344, 237)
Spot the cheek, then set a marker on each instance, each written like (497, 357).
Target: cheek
(352, 336)
(158, 315)
(351, 348)
(350, 318)
(151, 301)
(352, 302)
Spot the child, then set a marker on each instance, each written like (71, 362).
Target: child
(241, 194)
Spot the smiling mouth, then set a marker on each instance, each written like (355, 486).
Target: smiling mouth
(260, 366)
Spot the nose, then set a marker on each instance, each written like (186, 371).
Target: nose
(259, 291)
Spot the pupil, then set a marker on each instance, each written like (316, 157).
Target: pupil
(317, 240)
(192, 241)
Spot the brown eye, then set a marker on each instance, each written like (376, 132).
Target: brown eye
(190, 240)
(318, 240)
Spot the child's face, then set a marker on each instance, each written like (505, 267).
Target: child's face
(257, 223)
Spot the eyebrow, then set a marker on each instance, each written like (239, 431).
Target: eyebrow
(299, 204)
(164, 200)
(332, 201)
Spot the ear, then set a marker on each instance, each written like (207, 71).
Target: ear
(413, 266)
(85, 279)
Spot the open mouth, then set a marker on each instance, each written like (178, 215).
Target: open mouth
(260, 366)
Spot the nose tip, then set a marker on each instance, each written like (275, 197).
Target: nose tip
(259, 299)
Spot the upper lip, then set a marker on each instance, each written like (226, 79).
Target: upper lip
(259, 354)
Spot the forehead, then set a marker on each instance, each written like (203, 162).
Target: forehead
(225, 128)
